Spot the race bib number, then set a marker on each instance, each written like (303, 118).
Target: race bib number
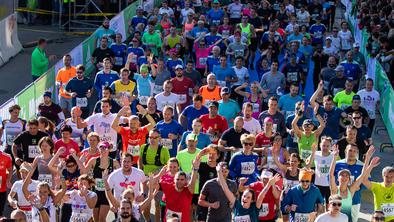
(203, 61)
(100, 186)
(264, 210)
(221, 83)
(244, 218)
(247, 168)
(82, 102)
(388, 209)
(133, 58)
(79, 217)
(33, 151)
(10, 139)
(299, 217)
(157, 89)
(182, 98)
(256, 107)
(238, 53)
(292, 76)
(287, 184)
(45, 178)
(170, 213)
(324, 169)
(118, 61)
(143, 100)
(29, 215)
(134, 150)
(166, 142)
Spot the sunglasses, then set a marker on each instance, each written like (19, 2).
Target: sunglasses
(378, 218)
(79, 72)
(154, 137)
(336, 204)
(103, 148)
(305, 181)
(357, 117)
(70, 165)
(247, 144)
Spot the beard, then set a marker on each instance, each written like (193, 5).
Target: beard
(106, 26)
(125, 215)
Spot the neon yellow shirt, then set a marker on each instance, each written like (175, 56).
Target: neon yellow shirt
(383, 199)
(343, 100)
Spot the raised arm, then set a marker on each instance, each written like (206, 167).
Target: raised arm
(55, 159)
(115, 123)
(151, 193)
(367, 168)
(196, 166)
(281, 166)
(239, 91)
(333, 185)
(58, 196)
(81, 167)
(144, 112)
(296, 129)
(322, 124)
(271, 183)
(26, 183)
(230, 196)
(314, 96)
(311, 158)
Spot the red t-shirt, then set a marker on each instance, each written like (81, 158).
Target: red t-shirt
(5, 163)
(166, 178)
(85, 153)
(71, 145)
(262, 140)
(133, 141)
(218, 124)
(267, 211)
(182, 88)
(180, 202)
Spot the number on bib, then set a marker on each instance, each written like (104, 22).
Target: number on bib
(100, 186)
(45, 178)
(388, 209)
(166, 142)
(134, 150)
(82, 102)
(247, 168)
(299, 217)
(33, 151)
(143, 100)
(264, 210)
(170, 213)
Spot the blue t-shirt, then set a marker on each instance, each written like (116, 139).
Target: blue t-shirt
(352, 70)
(104, 79)
(222, 73)
(355, 171)
(202, 140)
(120, 52)
(143, 84)
(305, 200)
(332, 117)
(191, 113)
(196, 31)
(81, 87)
(215, 17)
(294, 37)
(142, 60)
(136, 20)
(242, 165)
(318, 33)
(287, 103)
(166, 128)
(211, 61)
(211, 39)
(229, 110)
(101, 32)
(137, 51)
(243, 214)
(171, 65)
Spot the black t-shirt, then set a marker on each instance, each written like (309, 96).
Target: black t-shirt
(50, 112)
(158, 116)
(342, 143)
(233, 138)
(29, 144)
(363, 133)
(206, 173)
(101, 54)
(256, 22)
(364, 113)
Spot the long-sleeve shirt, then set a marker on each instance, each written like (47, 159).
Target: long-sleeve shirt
(242, 165)
(39, 62)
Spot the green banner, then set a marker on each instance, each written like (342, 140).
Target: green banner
(87, 49)
(26, 101)
(45, 83)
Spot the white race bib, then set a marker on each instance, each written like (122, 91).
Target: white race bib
(182, 98)
(143, 100)
(170, 212)
(29, 216)
(203, 61)
(274, 127)
(305, 154)
(247, 168)
(10, 139)
(388, 209)
(191, 92)
(244, 218)
(134, 150)
(299, 217)
(207, 102)
(33, 151)
(45, 178)
(100, 186)
(166, 142)
(79, 217)
(256, 107)
(82, 102)
(157, 89)
(264, 210)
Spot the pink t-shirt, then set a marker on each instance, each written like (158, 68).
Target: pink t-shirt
(71, 145)
(202, 55)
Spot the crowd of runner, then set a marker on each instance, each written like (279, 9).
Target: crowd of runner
(202, 115)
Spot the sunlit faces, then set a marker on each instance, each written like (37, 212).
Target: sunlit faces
(213, 110)
(127, 163)
(105, 107)
(344, 177)
(351, 152)
(180, 180)
(247, 197)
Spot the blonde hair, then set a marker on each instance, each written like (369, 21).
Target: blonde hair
(249, 137)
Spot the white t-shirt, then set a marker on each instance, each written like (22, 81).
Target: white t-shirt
(242, 74)
(163, 100)
(102, 125)
(253, 126)
(369, 100)
(336, 42)
(17, 188)
(185, 12)
(302, 18)
(328, 218)
(331, 51)
(50, 208)
(119, 182)
(79, 206)
(345, 39)
(322, 164)
(167, 10)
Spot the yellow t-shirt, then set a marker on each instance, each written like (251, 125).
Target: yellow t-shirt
(383, 199)
(118, 87)
(63, 76)
(343, 100)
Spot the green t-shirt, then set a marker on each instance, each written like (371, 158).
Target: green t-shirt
(154, 39)
(150, 158)
(343, 100)
(305, 145)
(185, 160)
(383, 199)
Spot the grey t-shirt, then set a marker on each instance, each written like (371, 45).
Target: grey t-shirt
(193, 75)
(162, 76)
(279, 121)
(214, 192)
(272, 82)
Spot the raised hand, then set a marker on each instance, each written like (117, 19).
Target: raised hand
(375, 162)
(274, 179)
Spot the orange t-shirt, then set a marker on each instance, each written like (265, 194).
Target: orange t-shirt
(209, 95)
(5, 163)
(133, 141)
(63, 76)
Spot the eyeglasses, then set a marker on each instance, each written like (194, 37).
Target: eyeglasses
(378, 218)
(247, 144)
(154, 137)
(336, 204)
(70, 165)
(79, 72)
(357, 117)
(305, 181)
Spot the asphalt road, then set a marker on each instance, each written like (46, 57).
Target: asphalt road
(16, 74)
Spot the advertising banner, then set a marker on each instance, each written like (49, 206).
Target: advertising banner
(9, 42)
(26, 100)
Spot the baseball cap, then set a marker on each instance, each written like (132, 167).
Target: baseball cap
(173, 51)
(268, 119)
(191, 136)
(329, 38)
(214, 103)
(104, 144)
(140, 8)
(266, 174)
(178, 67)
(48, 94)
(340, 68)
(308, 122)
(225, 90)
(356, 97)
(356, 45)
(144, 69)
(215, 2)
